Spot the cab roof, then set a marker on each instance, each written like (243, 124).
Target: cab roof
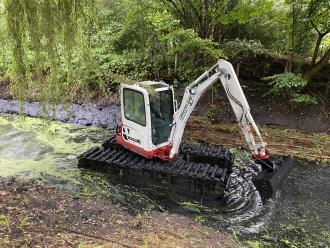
(151, 85)
(157, 86)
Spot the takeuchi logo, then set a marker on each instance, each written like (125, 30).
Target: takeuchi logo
(188, 104)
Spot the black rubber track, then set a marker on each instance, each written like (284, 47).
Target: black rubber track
(198, 168)
(190, 166)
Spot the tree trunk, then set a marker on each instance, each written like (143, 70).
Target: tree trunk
(288, 65)
(212, 96)
(312, 70)
(175, 63)
(238, 65)
(316, 49)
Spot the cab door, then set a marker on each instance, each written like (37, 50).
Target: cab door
(135, 122)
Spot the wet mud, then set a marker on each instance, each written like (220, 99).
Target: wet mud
(33, 215)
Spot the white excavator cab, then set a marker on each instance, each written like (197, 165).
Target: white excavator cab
(152, 127)
(147, 110)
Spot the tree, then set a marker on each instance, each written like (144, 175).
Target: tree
(318, 15)
(216, 18)
(146, 41)
(64, 46)
(49, 44)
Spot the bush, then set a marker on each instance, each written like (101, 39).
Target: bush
(244, 48)
(289, 86)
(303, 99)
(210, 113)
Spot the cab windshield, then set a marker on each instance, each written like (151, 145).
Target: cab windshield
(161, 109)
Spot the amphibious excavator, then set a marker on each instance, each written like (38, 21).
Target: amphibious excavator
(148, 141)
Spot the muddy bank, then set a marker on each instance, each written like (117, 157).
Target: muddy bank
(268, 112)
(312, 146)
(315, 118)
(85, 114)
(33, 215)
(308, 119)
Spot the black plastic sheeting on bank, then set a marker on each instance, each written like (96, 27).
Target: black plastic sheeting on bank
(85, 114)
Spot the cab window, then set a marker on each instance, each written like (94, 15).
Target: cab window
(161, 108)
(134, 109)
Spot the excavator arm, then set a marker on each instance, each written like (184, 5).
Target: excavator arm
(224, 71)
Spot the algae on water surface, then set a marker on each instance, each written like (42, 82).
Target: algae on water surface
(31, 146)
(47, 151)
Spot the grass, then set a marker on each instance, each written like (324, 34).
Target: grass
(253, 243)
(4, 221)
(24, 221)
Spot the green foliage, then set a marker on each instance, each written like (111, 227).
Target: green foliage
(270, 29)
(53, 47)
(253, 243)
(325, 43)
(4, 221)
(200, 219)
(319, 15)
(194, 54)
(308, 20)
(303, 99)
(244, 48)
(214, 19)
(211, 113)
(161, 50)
(286, 83)
(4, 56)
(290, 86)
(244, 11)
(24, 222)
(49, 43)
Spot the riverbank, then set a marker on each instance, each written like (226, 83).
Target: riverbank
(266, 111)
(281, 141)
(35, 215)
(306, 145)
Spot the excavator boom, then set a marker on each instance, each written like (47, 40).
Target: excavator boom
(223, 71)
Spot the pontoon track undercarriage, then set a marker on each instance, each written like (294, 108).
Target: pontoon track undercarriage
(202, 169)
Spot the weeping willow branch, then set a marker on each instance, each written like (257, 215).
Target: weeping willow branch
(50, 44)
(4, 12)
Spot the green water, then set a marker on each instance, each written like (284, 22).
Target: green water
(47, 151)
(33, 147)
(298, 216)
